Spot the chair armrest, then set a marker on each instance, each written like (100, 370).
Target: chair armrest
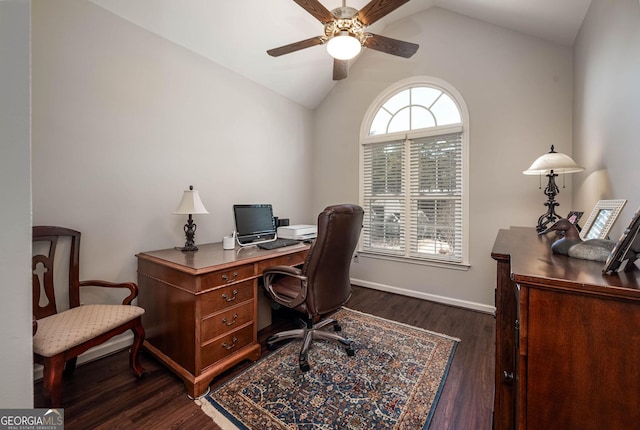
(283, 270)
(294, 272)
(131, 286)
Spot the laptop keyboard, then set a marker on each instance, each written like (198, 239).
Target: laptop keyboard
(278, 243)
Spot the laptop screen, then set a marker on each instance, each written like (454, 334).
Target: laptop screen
(254, 223)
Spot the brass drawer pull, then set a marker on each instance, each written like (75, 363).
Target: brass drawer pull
(227, 280)
(232, 322)
(233, 343)
(230, 299)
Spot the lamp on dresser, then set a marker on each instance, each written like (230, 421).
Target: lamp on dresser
(549, 165)
(190, 205)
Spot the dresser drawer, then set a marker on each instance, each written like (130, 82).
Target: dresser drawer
(224, 277)
(226, 345)
(224, 297)
(217, 324)
(284, 260)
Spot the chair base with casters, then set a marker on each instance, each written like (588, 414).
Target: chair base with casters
(310, 332)
(322, 285)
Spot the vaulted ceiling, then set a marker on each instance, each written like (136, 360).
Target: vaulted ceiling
(237, 33)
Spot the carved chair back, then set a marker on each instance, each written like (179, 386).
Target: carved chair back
(45, 244)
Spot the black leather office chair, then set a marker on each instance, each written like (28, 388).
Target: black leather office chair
(322, 285)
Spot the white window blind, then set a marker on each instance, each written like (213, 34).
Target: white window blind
(384, 197)
(436, 197)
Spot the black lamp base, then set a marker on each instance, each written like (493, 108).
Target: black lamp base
(190, 232)
(550, 217)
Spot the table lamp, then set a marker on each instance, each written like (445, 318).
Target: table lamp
(550, 164)
(190, 205)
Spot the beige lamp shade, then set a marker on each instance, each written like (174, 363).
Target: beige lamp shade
(191, 203)
(556, 161)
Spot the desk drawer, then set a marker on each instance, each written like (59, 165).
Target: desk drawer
(222, 298)
(284, 260)
(224, 277)
(226, 345)
(220, 323)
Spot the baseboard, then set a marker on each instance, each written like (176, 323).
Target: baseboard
(426, 296)
(114, 344)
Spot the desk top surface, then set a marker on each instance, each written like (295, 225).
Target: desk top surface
(212, 254)
(532, 261)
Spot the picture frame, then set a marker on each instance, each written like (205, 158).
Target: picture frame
(627, 249)
(573, 217)
(601, 219)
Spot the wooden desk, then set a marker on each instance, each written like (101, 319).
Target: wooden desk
(201, 307)
(567, 339)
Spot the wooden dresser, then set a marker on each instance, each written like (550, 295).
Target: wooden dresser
(567, 339)
(201, 307)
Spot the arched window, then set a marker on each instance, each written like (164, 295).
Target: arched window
(414, 173)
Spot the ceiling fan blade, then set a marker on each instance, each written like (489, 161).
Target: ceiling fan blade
(390, 46)
(296, 46)
(376, 9)
(340, 69)
(315, 8)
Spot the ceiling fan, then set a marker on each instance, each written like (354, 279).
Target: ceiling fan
(344, 33)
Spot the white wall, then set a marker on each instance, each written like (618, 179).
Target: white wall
(518, 90)
(16, 382)
(607, 107)
(124, 121)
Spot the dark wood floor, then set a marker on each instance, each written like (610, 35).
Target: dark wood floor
(104, 395)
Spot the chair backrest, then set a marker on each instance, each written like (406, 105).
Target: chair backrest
(329, 259)
(45, 243)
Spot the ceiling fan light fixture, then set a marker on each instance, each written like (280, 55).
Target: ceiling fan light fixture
(343, 46)
(345, 35)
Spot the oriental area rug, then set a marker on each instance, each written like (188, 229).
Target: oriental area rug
(393, 381)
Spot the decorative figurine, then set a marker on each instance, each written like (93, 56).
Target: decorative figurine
(573, 246)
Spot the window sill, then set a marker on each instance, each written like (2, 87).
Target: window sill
(409, 260)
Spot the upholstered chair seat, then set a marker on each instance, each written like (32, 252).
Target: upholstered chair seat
(60, 332)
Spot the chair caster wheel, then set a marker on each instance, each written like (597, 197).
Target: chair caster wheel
(336, 327)
(350, 352)
(271, 346)
(302, 360)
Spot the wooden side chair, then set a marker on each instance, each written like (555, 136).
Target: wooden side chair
(61, 333)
